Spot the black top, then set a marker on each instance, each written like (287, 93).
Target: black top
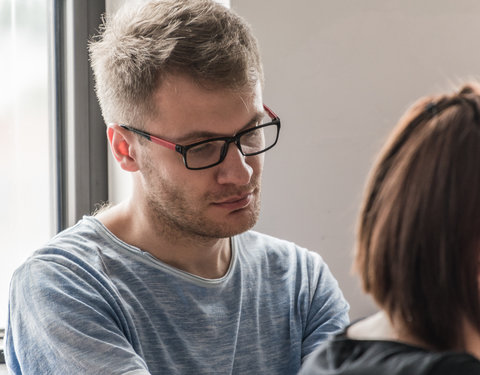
(343, 356)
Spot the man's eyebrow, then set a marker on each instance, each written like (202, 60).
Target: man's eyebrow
(199, 134)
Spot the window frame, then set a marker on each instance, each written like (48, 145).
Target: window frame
(79, 157)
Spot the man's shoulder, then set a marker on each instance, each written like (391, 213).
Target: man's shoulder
(74, 257)
(78, 244)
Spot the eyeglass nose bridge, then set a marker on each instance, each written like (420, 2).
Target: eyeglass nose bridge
(226, 146)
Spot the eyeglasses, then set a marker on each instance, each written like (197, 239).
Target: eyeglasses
(211, 152)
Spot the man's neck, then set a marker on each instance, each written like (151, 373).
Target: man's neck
(206, 257)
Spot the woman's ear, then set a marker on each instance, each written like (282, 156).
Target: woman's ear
(120, 144)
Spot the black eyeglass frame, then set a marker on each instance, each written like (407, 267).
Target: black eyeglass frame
(182, 149)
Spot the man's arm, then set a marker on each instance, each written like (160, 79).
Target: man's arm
(64, 320)
(328, 311)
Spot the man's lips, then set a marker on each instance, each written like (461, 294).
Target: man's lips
(235, 202)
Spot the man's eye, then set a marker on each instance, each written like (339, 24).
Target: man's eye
(205, 149)
(252, 136)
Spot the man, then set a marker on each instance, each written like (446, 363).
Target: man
(172, 281)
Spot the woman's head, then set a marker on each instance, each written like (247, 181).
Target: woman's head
(418, 234)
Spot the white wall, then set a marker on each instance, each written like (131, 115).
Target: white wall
(340, 73)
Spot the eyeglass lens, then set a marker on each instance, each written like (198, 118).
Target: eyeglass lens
(252, 142)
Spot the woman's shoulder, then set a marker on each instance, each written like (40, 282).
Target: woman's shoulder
(343, 354)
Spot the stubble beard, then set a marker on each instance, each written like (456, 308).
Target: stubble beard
(175, 217)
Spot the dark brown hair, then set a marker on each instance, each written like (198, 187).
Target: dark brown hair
(418, 232)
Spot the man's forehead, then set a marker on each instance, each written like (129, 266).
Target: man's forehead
(182, 92)
(187, 111)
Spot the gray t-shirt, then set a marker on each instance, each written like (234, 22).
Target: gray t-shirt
(88, 303)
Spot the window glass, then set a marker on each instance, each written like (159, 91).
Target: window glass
(25, 194)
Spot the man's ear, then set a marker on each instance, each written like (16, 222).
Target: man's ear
(120, 144)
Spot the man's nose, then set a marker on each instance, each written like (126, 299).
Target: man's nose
(234, 169)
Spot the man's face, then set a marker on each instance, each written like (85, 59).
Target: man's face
(217, 202)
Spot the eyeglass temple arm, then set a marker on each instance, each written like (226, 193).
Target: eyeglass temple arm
(270, 112)
(152, 138)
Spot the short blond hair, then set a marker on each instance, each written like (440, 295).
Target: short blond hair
(139, 46)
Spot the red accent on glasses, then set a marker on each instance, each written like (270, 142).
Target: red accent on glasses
(162, 142)
(270, 112)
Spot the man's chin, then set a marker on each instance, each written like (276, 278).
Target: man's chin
(232, 225)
